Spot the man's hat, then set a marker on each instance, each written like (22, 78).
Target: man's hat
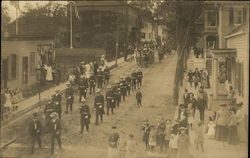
(108, 86)
(98, 90)
(83, 100)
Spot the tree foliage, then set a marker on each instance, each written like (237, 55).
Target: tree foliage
(5, 19)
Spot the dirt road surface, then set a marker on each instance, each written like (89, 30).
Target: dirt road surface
(157, 98)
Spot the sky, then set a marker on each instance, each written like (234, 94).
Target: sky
(12, 10)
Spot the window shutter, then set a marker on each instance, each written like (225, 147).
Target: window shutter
(244, 14)
(231, 16)
(17, 67)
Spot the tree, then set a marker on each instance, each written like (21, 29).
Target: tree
(180, 18)
(5, 19)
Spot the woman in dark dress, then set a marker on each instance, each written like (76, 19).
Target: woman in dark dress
(232, 137)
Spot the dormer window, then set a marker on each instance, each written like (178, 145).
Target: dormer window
(236, 16)
(212, 18)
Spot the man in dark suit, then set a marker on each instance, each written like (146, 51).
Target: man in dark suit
(85, 115)
(69, 95)
(99, 106)
(35, 132)
(55, 131)
(92, 83)
(110, 99)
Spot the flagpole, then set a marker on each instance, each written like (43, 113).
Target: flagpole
(71, 40)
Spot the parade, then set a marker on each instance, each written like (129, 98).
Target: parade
(124, 79)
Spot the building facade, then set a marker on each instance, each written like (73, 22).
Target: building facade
(20, 58)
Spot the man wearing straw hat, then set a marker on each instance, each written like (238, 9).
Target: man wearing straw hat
(99, 106)
(84, 115)
(83, 88)
(55, 131)
(110, 99)
(69, 94)
(35, 131)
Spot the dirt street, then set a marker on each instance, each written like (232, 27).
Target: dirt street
(157, 98)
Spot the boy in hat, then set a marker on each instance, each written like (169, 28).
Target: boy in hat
(99, 106)
(128, 83)
(106, 75)
(55, 131)
(92, 83)
(138, 97)
(35, 132)
(99, 78)
(113, 143)
(69, 94)
(83, 85)
(84, 115)
(110, 99)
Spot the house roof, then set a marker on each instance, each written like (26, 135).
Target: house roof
(238, 30)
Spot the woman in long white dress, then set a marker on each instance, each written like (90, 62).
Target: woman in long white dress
(8, 105)
(241, 128)
(48, 69)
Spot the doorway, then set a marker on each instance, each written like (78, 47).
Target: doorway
(4, 72)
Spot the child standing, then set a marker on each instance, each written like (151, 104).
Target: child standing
(199, 136)
(138, 97)
(211, 128)
(152, 138)
(173, 142)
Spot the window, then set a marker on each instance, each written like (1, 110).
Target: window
(143, 35)
(212, 18)
(32, 63)
(13, 65)
(236, 16)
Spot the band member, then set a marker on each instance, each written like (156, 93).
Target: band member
(84, 115)
(139, 77)
(69, 94)
(123, 87)
(117, 92)
(57, 107)
(99, 106)
(55, 131)
(110, 99)
(128, 83)
(83, 88)
(47, 111)
(35, 132)
(57, 97)
(133, 78)
(92, 83)
(106, 75)
(99, 78)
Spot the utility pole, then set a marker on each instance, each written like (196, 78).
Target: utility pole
(71, 30)
(117, 45)
(126, 30)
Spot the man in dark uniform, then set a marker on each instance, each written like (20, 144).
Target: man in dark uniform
(69, 94)
(47, 111)
(99, 106)
(83, 88)
(55, 131)
(57, 97)
(106, 75)
(139, 77)
(99, 78)
(117, 93)
(35, 132)
(128, 83)
(123, 87)
(110, 99)
(133, 78)
(95, 68)
(92, 83)
(85, 115)
(57, 107)
(82, 68)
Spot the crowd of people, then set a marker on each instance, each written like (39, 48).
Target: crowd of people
(198, 77)
(103, 104)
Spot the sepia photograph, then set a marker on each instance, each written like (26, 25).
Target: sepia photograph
(124, 79)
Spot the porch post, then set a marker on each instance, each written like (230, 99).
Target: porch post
(215, 77)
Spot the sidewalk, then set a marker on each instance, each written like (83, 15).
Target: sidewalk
(33, 102)
(212, 147)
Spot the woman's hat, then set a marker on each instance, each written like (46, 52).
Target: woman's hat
(54, 115)
(83, 100)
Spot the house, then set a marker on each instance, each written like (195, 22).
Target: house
(20, 58)
(226, 43)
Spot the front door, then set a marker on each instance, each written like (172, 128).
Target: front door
(4, 72)
(25, 70)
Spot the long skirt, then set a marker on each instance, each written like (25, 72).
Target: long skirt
(112, 152)
(221, 133)
(232, 137)
(242, 131)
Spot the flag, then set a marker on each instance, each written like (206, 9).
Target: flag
(15, 4)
